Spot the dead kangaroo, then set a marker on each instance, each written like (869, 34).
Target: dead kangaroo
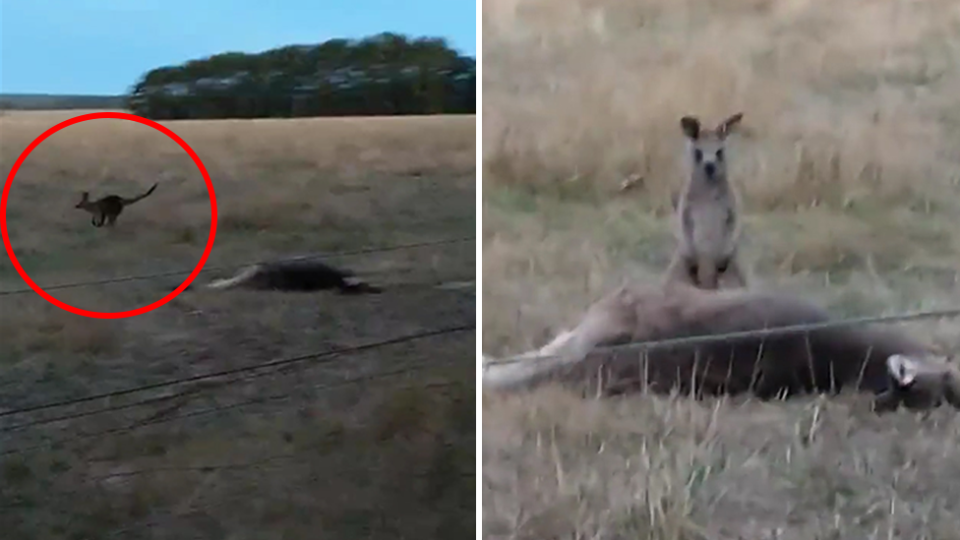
(707, 212)
(108, 208)
(296, 275)
(823, 360)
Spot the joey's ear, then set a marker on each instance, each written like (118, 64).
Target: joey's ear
(903, 369)
(690, 126)
(724, 127)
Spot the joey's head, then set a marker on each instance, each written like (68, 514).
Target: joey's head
(84, 200)
(706, 148)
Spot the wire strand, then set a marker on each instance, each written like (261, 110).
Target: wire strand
(242, 465)
(332, 353)
(212, 410)
(451, 284)
(746, 334)
(93, 283)
(143, 402)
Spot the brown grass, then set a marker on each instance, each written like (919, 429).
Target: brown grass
(386, 457)
(849, 171)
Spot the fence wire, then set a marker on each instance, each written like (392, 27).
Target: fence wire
(329, 356)
(735, 336)
(133, 426)
(236, 266)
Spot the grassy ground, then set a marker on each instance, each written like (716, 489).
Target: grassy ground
(331, 447)
(849, 171)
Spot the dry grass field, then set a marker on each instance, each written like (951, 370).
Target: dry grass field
(849, 167)
(374, 444)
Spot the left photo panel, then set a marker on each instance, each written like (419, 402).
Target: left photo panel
(238, 295)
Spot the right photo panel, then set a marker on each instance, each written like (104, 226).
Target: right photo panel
(720, 269)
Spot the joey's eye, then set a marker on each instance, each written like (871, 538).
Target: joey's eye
(720, 154)
(698, 155)
(722, 265)
(692, 269)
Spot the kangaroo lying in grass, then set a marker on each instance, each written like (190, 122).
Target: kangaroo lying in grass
(882, 361)
(296, 275)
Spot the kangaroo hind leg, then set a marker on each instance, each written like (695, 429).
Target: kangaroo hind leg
(563, 354)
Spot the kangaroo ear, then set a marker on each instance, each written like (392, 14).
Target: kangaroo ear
(903, 369)
(691, 127)
(724, 127)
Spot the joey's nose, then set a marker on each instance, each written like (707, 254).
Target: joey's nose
(710, 169)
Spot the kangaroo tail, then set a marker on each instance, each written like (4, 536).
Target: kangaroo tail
(353, 285)
(457, 285)
(239, 279)
(138, 197)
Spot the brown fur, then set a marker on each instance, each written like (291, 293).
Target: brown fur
(108, 208)
(825, 360)
(724, 273)
(707, 212)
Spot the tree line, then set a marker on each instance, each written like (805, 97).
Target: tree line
(385, 74)
(58, 102)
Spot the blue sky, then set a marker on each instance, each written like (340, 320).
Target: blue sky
(104, 46)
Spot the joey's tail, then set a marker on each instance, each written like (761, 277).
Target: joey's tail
(128, 202)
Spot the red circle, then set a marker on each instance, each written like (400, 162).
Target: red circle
(99, 314)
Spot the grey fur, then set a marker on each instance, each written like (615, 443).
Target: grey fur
(707, 211)
(825, 360)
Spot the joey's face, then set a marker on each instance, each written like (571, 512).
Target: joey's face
(706, 148)
(84, 197)
(708, 156)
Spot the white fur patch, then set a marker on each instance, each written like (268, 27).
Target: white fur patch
(352, 281)
(903, 369)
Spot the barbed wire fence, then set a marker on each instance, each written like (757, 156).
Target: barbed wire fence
(237, 266)
(264, 369)
(261, 464)
(183, 390)
(140, 424)
(452, 283)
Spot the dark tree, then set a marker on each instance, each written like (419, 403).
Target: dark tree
(385, 74)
